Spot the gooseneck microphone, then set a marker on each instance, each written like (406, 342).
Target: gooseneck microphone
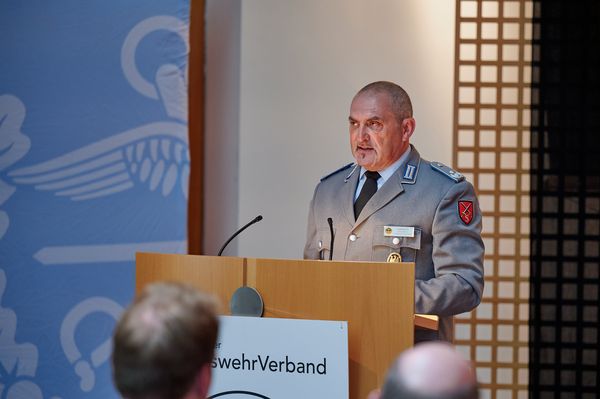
(250, 223)
(330, 221)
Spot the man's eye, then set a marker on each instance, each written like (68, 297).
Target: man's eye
(353, 123)
(375, 125)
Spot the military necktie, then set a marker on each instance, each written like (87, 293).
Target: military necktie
(368, 189)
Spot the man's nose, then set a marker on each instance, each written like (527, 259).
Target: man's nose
(363, 134)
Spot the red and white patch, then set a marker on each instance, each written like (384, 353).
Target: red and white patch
(465, 211)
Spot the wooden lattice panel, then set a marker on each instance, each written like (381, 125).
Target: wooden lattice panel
(491, 147)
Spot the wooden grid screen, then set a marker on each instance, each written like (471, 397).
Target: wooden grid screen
(491, 147)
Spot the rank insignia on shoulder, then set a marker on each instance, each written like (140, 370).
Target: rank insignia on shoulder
(447, 171)
(337, 171)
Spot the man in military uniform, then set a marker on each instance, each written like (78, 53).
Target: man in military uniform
(393, 205)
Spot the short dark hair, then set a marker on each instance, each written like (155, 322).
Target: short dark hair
(163, 340)
(401, 103)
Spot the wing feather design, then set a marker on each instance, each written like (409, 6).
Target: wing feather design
(155, 155)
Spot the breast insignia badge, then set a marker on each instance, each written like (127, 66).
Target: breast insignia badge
(394, 257)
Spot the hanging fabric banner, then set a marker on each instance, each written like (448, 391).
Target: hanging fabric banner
(94, 167)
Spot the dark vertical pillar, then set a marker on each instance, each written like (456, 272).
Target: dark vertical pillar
(565, 230)
(196, 127)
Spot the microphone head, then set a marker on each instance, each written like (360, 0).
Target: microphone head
(258, 218)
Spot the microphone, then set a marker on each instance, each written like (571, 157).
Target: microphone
(330, 221)
(250, 223)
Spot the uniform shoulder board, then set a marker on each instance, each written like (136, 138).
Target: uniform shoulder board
(337, 171)
(447, 171)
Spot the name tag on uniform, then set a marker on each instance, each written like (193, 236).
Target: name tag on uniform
(398, 231)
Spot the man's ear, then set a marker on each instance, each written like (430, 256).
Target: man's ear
(202, 382)
(408, 128)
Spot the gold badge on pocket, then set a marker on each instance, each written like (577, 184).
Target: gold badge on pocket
(394, 257)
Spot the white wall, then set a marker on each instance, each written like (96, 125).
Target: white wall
(301, 63)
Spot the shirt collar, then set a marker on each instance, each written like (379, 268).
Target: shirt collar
(390, 170)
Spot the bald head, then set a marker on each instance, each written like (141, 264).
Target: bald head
(431, 370)
(401, 104)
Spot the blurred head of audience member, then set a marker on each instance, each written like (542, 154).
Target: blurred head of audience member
(164, 344)
(431, 370)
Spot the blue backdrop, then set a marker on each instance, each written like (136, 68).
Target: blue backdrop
(94, 166)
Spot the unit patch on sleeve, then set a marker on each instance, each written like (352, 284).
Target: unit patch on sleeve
(465, 211)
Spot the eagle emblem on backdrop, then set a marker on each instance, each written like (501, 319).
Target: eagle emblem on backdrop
(154, 154)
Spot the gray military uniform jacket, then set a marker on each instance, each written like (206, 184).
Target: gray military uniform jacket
(447, 249)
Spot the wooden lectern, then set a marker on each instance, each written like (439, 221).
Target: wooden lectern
(377, 299)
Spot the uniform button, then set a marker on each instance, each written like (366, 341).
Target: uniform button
(396, 241)
(352, 237)
(320, 244)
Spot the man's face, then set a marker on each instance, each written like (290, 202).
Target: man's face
(377, 137)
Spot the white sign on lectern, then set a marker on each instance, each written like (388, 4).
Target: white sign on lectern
(280, 359)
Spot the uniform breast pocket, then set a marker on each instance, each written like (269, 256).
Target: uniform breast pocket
(406, 247)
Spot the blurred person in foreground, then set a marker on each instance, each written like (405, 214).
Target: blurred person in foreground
(431, 370)
(164, 344)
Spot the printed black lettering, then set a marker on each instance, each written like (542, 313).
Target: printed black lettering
(273, 365)
(224, 363)
(322, 367)
(265, 363)
(263, 366)
(246, 361)
(290, 367)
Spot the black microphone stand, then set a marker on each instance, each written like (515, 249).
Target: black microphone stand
(250, 223)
